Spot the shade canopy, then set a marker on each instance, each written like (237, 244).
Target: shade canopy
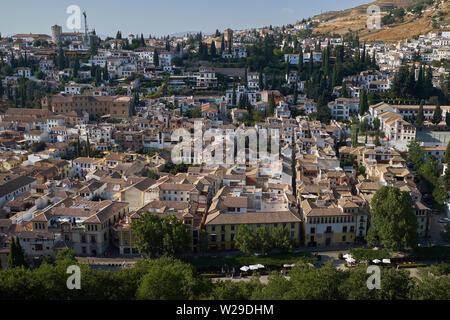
(376, 261)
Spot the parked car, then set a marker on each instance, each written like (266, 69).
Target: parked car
(443, 220)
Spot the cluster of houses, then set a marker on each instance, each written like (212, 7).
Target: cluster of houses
(87, 204)
(77, 172)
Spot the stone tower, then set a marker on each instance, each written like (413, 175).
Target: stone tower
(228, 37)
(56, 33)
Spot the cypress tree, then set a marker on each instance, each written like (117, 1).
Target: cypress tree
(213, 52)
(16, 257)
(105, 73)
(155, 58)
(233, 97)
(295, 92)
(300, 61)
(272, 105)
(363, 104)
(261, 81)
(446, 158)
(88, 148)
(76, 66)
(437, 115)
(344, 92)
(420, 115)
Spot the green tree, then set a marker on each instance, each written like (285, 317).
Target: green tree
(446, 158)
(168, 279)
(148, 234)
(437, 115)
(161, 236)
(263, 240)
(430, 287)
(203, 241)
(245, 239)
(415, 153)
(155, 58)
(16, 256)
(176, 236)
(213, 52)
(281, 239)
(76, 67)
(311, 283)
(393, 218)
(420, 116)
(344, 92)
(363, 104)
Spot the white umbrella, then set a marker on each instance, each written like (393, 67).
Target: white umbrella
(387, 261)
(347, 255)
(254, 267)
(260, 266)
(350, 260)
(244, 268)
(288, 265)
(376, 261)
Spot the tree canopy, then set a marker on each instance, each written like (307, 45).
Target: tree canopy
(393, 218)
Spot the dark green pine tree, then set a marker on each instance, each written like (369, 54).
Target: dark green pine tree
(363, 56)
(344, 92)
(98, 77)
(272, 105)
(311, 65)
(411, 82)
(420, 116)
(419, 84)
(300, 62)
(16, 257)
(88, 148)
(61, 59)
(155, 58)
(437, 115)
(363, 103)
(428, 85)
(213, 52)
(260, 81)
(142, 40)
(233, 97)
(295, 93)
(76, 66)
(241, 104)
(222, 44)
(105, 72)
(78, 148)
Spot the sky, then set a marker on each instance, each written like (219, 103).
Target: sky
(161, 17)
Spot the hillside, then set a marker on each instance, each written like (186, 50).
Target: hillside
(355, 19)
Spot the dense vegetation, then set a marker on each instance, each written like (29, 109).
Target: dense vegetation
(168, 278)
